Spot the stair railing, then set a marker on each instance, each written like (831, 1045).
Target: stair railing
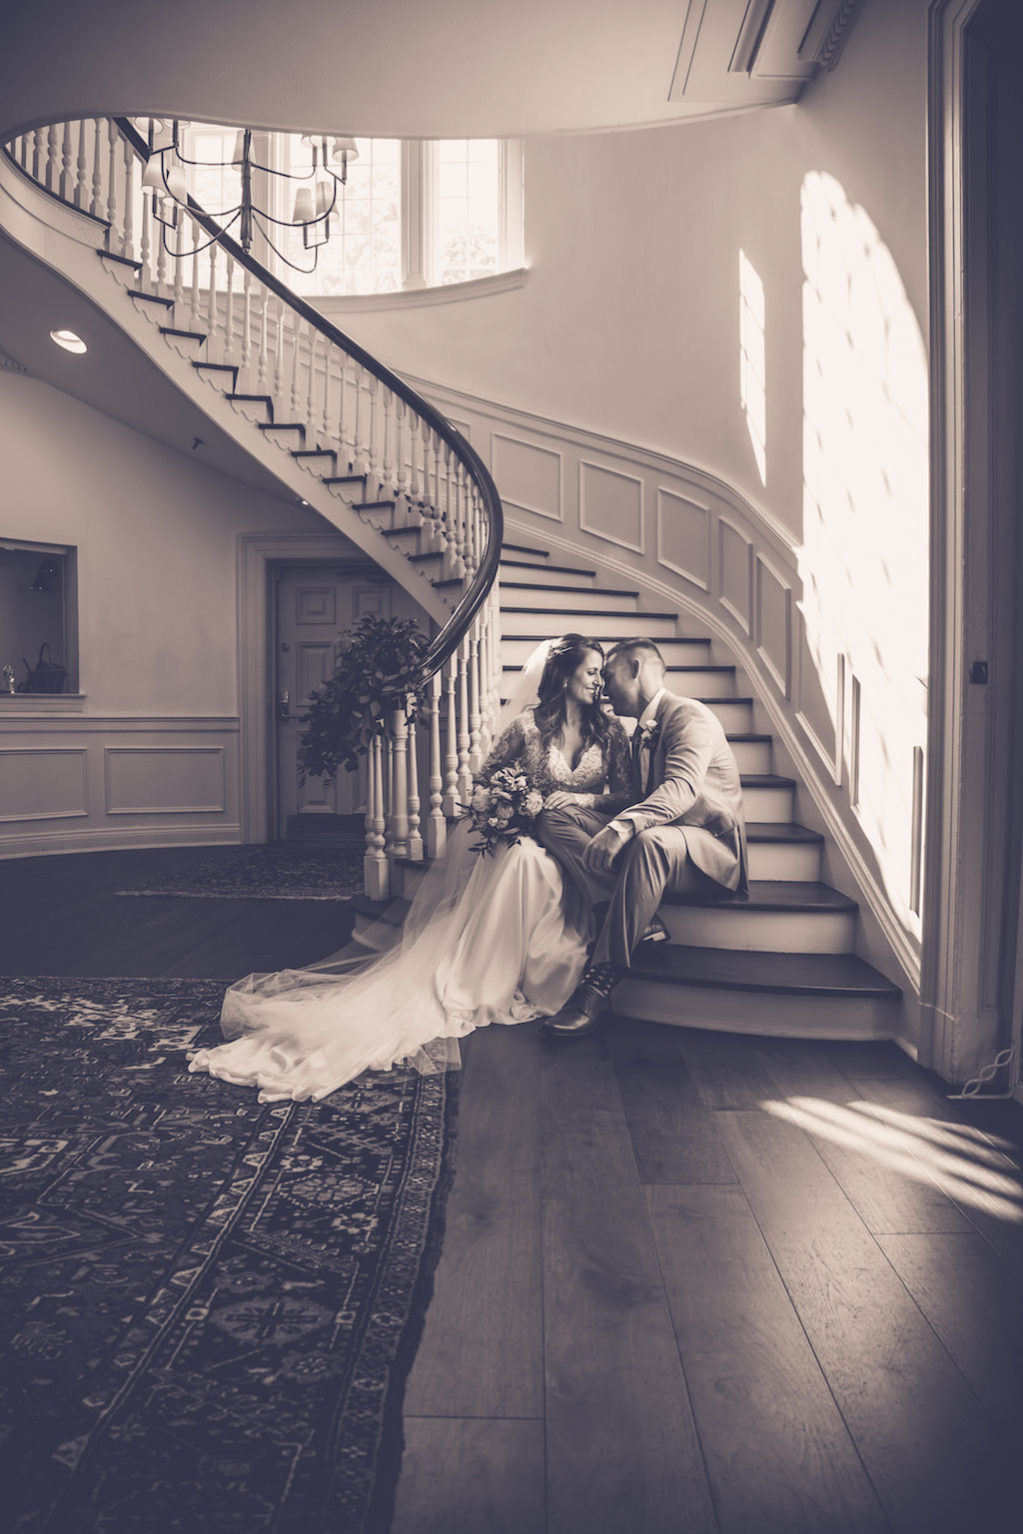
(350, 412)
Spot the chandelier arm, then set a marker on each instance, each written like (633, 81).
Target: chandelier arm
(451, 635)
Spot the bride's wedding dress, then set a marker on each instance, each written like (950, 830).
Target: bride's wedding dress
(487, 940)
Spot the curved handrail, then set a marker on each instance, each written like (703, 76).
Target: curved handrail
(446, 642)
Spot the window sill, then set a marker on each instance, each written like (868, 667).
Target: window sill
(29, 704)
(331, 304)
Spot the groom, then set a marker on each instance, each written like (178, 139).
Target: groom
(684, 832)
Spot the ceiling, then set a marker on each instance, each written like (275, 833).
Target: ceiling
(413, 68)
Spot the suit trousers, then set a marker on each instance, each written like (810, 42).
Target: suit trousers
(653, 863)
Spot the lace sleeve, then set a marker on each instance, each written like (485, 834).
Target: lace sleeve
(617, 793)
(509, 746)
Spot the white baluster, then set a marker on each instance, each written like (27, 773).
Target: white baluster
(415, 491)
(38, 154)
(373, 483)
(264, 343)
(328, 366)
(112, 159)
(81, 167)
(436, 825)
(296, 337)
(96, 200)
(212, 317)
(451, 797)
(401, 476)
(398, 818)
(357, 455)
(343, 455)
(387, 473)
(230, 346)
(178, 236)
(475, 759)
(161, 250)
(464, 769)
(278, 374)
(144, 235)
(66, 162)
(415, 835)
(128, 237)
(310, 405)
(194, 298)
(246, 356)
(376, 882)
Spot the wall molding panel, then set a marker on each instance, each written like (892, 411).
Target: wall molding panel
(533, 475)
(772, 623)
(611, 511)
(684, 527)
(735, 573)
(117, 781)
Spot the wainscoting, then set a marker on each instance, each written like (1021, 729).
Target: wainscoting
(73, 783)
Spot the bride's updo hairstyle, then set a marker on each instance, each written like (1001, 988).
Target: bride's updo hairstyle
(564, 659)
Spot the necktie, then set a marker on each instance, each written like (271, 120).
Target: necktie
(637, 762)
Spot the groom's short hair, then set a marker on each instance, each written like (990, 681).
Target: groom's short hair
(643, 649)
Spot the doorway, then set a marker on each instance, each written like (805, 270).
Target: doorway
(315, 604)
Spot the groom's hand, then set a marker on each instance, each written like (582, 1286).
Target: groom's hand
(602, 850)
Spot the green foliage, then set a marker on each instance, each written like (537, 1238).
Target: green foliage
(378, 671)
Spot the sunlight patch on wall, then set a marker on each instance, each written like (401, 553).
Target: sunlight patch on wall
(864, 560)
(752, 363)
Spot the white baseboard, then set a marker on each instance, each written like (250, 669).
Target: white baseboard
(122, 839)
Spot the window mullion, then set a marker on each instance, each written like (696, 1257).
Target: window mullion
(416, 202)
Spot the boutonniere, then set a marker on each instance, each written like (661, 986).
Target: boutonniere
(650, 734)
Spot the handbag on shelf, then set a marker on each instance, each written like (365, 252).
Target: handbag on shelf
(45, 675)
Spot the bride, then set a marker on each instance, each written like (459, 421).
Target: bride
(488, 939)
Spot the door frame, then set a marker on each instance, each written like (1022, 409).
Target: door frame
(258, 554)
(963, 1015)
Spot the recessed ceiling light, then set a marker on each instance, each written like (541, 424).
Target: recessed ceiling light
(69, 341)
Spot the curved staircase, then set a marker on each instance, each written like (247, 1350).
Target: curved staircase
(781, 963)
(360, 447)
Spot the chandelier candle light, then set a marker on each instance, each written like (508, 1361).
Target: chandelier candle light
(166, 181)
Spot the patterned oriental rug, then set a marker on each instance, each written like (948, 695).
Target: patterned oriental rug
(208, 1307)
(266, 871)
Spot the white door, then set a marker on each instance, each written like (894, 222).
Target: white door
(316, 604)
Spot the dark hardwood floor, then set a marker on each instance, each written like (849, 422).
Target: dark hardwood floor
(690, 1281)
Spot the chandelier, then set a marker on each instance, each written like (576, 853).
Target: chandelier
(166, 182)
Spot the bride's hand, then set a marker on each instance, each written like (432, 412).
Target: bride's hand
(560, 800)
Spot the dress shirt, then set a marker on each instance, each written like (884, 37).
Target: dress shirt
(623, 825)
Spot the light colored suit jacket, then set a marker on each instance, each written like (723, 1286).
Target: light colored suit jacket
(693, 782)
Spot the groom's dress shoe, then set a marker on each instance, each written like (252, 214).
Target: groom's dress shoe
(657, 932)
(585, 1008)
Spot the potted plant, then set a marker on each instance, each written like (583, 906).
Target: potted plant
(379, 669)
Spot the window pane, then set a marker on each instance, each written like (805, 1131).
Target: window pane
(466, 232)
(363, 254)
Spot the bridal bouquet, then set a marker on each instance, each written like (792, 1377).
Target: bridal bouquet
(503, 807)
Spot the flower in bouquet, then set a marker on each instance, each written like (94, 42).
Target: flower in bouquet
(503, 807)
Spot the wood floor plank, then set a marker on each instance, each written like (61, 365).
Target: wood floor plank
(972, 1169)
(778, 1454)
(728, 1068)
(622, 1452)
(674, 1137)
(481, 1352)
(975, 1305)
(933, 1453)
(470, 1476)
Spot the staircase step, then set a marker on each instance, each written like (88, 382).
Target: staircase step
(558, 576)
(768, 797)
(346, 479)
(775, 853)
(525, 548)
(255, 399)
(780, 916)
(735, 714)
(820, 995)
(422, 559)
(110, 255)
(306, 453)
(183, 335)
(679, 650)
(282, 426)
(566, 599)
(218, 367)
(609, 624)
(151, 298)
(373, 505)
(752, 752)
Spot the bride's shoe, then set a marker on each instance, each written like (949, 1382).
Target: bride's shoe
(584, 1010)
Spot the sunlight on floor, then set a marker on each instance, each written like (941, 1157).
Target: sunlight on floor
(969, 1167)
(864, 559)
(752, 360)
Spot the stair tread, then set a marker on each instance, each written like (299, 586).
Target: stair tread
(218, 367)
(593, 612)
(188, 335)
(524, 564)
(525, 548)
(766, 780)
(774, 895)
(817, 974)
(279, 425)
(781, 831)
(111, 255)
(313, 452)
(591, 591)
(151, 298)
(345, 479)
